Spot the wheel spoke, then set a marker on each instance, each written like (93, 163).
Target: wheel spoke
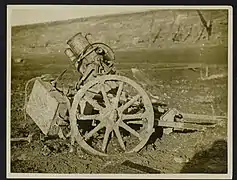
(120, 140)
(119, 93)
(88, 117)
(93, 131)
(132, 116)
(105, 97)
(93, 103)
(134, 122)
(82, 104)
(106, 138)
(129, 129)
(129, 103)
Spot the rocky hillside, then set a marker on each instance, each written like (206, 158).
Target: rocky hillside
(151, 29)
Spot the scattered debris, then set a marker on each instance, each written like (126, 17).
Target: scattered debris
(19, 60)
(180, 160)
(214, 76)
(46, 151)
(28, 138)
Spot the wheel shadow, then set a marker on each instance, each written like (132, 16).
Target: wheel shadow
(213, 160)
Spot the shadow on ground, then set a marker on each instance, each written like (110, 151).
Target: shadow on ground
(140, 167)
(213, 160)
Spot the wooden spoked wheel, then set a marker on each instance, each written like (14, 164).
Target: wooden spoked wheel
(111, 114)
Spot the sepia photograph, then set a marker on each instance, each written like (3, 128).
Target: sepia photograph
(119, 91)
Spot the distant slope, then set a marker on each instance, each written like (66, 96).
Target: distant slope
(150, 29)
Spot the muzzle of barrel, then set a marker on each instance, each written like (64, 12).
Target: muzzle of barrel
(70, 54)
(78, 43)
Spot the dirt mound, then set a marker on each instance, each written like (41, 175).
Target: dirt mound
(153, 29)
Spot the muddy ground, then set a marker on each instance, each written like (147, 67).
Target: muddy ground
(178, 152)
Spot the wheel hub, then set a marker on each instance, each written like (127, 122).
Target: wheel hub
(114, 115)
(111, 117)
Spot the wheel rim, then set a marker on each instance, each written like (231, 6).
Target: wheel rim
(112, 115)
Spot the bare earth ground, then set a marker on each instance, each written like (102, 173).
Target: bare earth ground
(177, 152)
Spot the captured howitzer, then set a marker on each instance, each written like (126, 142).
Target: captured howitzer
(103, 111)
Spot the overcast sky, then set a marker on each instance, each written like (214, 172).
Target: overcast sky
(20, 15)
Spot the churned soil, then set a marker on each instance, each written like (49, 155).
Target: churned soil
(178, 152)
